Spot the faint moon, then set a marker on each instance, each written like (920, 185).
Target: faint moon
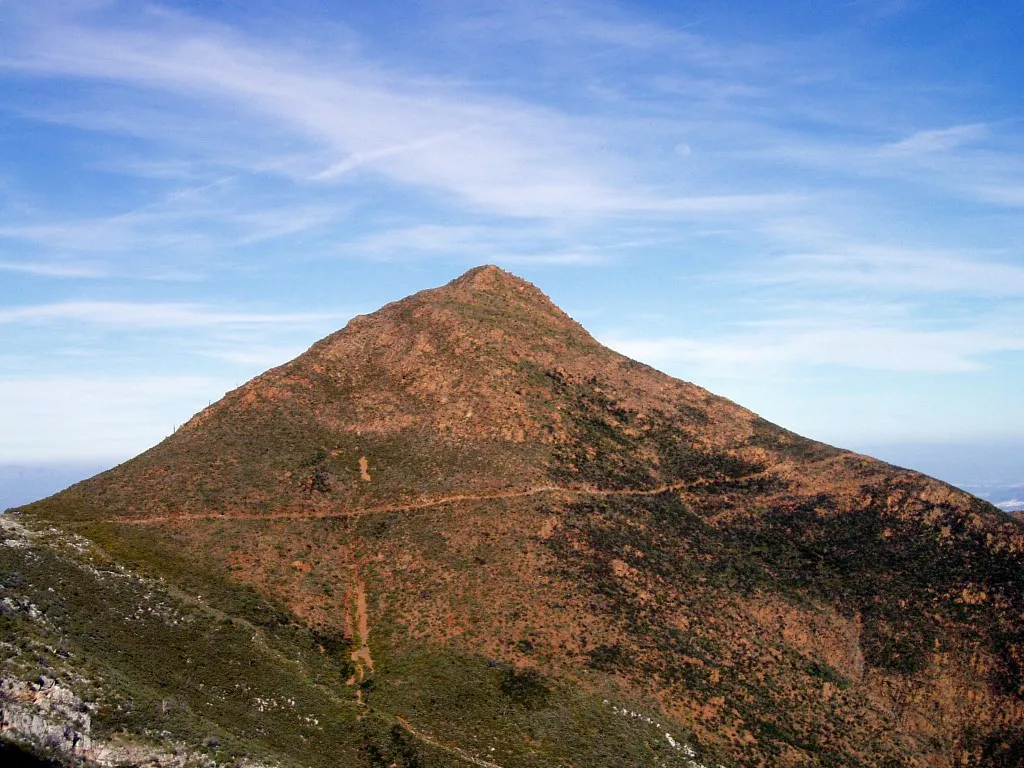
(683, 150)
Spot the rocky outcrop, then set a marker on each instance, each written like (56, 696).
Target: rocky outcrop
(46, 715)
(51, 720)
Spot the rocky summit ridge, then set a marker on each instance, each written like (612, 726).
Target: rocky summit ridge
(461, 531)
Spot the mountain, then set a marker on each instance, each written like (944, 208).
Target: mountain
(461, 531)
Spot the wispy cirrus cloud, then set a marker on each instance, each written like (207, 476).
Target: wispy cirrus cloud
(192, 218)
(355, 113)
(56, 269)
(976, 162)
(479, 243)
(141, 315)
(501, 155)
(891, 269)
(936, 140)
(806, 343)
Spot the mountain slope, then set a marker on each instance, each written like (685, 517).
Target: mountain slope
(531, 550)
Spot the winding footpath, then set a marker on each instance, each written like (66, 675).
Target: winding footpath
(412, 507)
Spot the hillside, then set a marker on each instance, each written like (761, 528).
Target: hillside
(461, 531)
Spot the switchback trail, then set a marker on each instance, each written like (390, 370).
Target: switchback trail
(412, 507)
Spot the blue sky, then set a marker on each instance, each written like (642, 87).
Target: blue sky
(816, 209)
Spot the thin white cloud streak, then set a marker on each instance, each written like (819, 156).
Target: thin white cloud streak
(258, 357)
(890, 269)
(584, 32)
(192, 218)
(565, 258)
(358, 160)
(138, 315)
(968, 161)
(433, 238)
(190, 140)
(478, 244)
(53, 269)
(936, 140)
(72, 270)
(797, 343)
(885, 350)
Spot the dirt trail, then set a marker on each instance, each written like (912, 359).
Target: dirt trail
(460, 753)
(353, 513)
(361, 655)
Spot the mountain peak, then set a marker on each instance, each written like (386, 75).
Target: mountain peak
(488, 277)
(494, 282)
(486, 303)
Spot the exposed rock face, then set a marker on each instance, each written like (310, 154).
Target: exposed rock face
(54, 721)
(45, 713)
(504, 535)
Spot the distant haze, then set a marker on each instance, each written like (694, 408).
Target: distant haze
(956, 463)
(993, 472)
(22, 483)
